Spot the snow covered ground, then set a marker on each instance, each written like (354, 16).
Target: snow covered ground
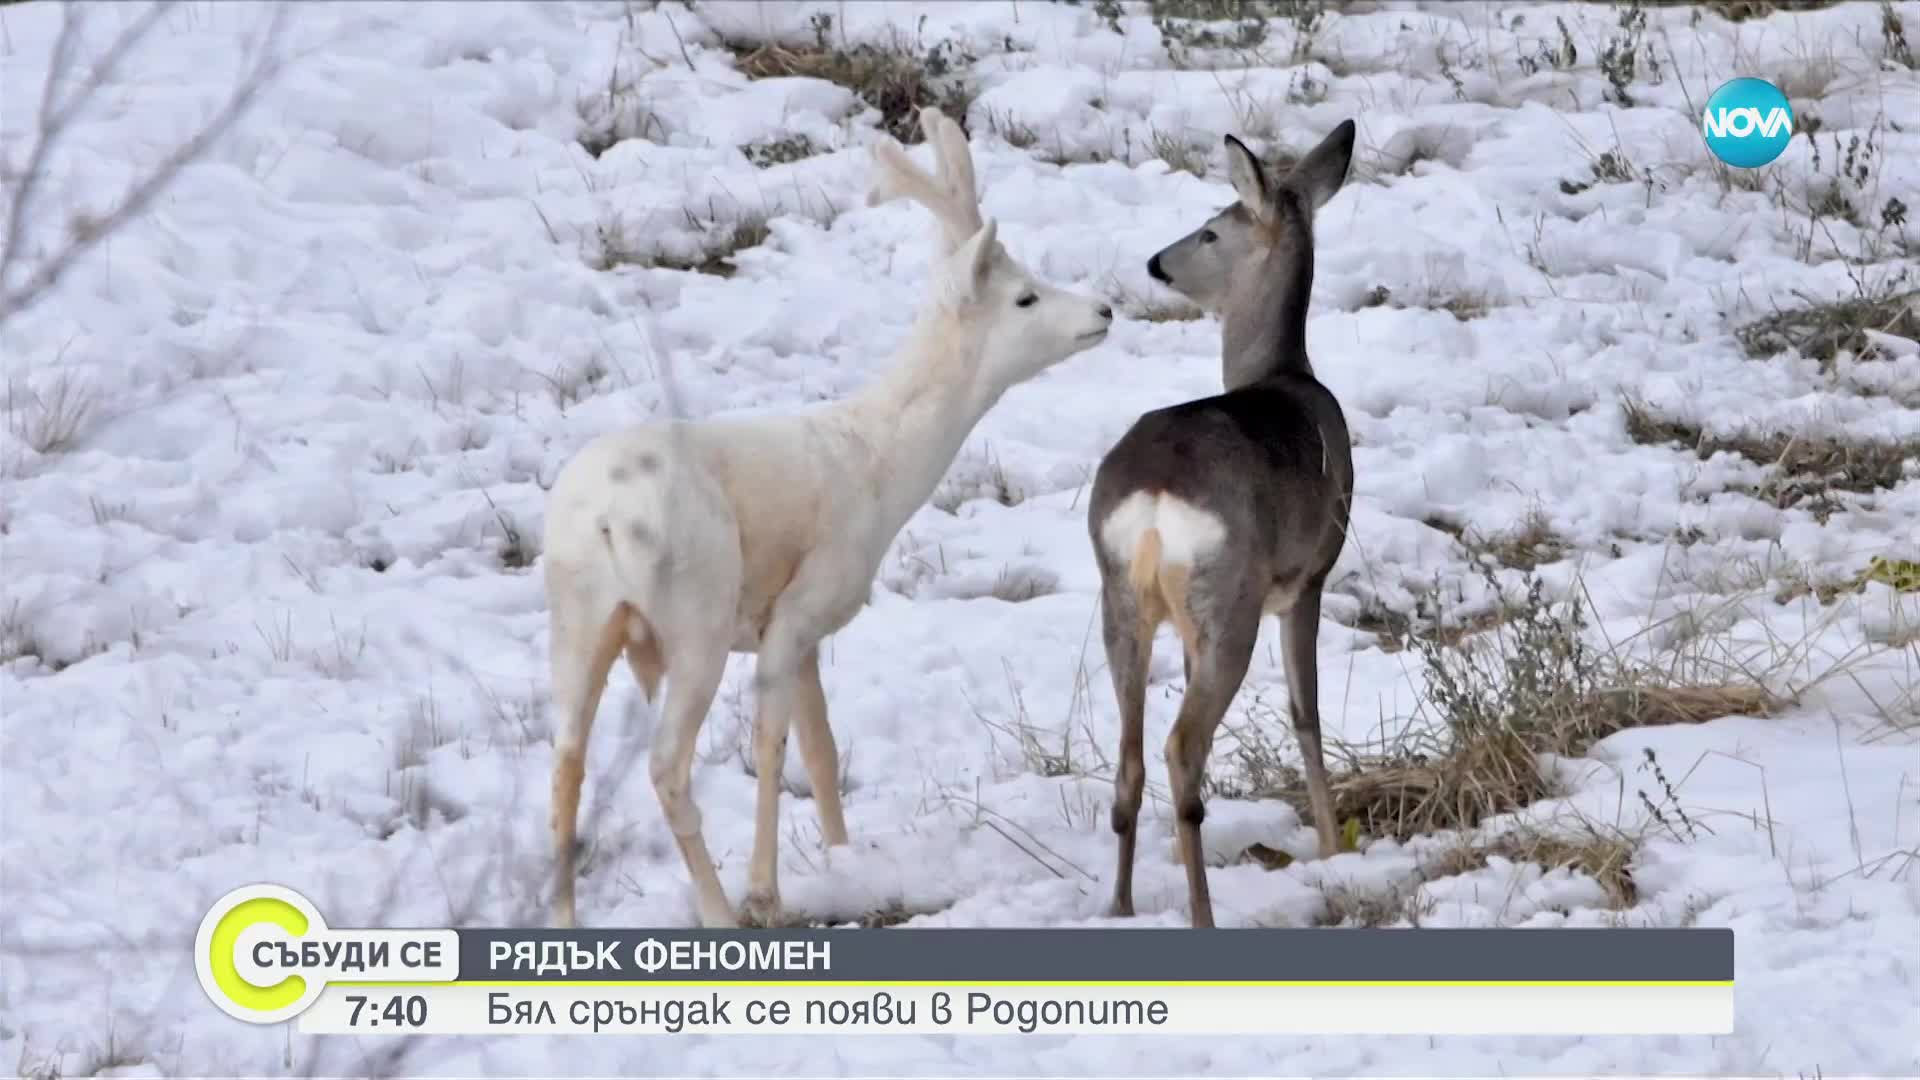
(272, 612)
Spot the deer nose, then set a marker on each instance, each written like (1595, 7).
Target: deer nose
(1106, 312)
(1154, 271)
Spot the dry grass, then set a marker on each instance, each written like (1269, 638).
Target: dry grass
(17, 636)
(1531, 686)
(1808, 467)
(1181, 152)
(1605, 855)
(1350, 905)
(1531, 544)
(1821, 330)
(1464, 305)
(891, 914)
(898, 78)
(1019, 584)
(51, 419)
(1017, 133)
(720, 239)
(1742, 10)
(782, 151)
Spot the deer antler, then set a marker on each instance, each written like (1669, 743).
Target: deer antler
(949, 193)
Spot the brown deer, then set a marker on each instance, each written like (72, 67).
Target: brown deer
(1213, 512)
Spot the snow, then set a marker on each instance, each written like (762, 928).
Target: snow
(278, 630)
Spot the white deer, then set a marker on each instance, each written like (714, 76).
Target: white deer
(680, 542)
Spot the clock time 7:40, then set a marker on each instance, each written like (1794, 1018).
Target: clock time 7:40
(399, 1010)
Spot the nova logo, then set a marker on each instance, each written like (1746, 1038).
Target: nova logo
(1747, 123)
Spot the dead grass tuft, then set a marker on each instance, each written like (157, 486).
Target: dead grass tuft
(1019, 584)
(1808, 467)
(1502, 699)
(898, 77)
(782, 151)
(1527, 546)
(1181, 152)
(1464, 305)
(50, 420)
(1606, 855)
(1742, 10)
(720, 240)
(1822, 329)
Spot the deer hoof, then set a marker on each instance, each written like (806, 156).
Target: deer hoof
(761, 910)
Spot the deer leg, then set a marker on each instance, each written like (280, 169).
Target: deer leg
(817, 750)
(1221, 654)
(774, 691)
(1129, 643)
(696, 681)
(1299, 636)
(581, 655)
(788, 645)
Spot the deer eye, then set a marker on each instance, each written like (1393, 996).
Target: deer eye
(1027, 300)
(1208, 236)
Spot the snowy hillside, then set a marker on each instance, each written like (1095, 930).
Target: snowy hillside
(274, 454)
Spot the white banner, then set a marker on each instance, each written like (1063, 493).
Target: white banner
(1011, 1009)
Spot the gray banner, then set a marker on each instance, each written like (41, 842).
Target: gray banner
(1157, 955)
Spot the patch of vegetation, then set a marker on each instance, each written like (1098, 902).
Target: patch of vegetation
(1605, 855)
(1610, 167)
(1464, 304)
(1525, 547)
(1849, 195)
(1533, 686)
(1190, 27)
(898, 78)
(17, 638)
(976, 474)
(50, 420)
(1019, 584)
(1822, 329)
(1551, 56)
(1742, 10)
(1900, 575)
(887, 915)
(1180, 153)
(20, 640)
(1018, 134)
(782, 151)
(1893, 33)
(1807, 467)
(720, 240)
(1627, 53)
(1396, 631)
(516, 549)
(1350, 905)
(620, 113)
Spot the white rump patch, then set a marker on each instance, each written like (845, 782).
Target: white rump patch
(1187, 533)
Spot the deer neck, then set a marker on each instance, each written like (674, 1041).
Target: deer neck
(916, 416)
(1264, 333)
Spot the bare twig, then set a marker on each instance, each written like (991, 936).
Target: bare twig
(57, 115)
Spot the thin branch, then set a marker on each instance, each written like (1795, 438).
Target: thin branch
(57, 122)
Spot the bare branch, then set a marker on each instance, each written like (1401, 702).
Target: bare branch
(56, 119)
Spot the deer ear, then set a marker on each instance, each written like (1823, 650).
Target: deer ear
(980, 258)
(968, 268)
(1249, 181)
(1324, 169)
